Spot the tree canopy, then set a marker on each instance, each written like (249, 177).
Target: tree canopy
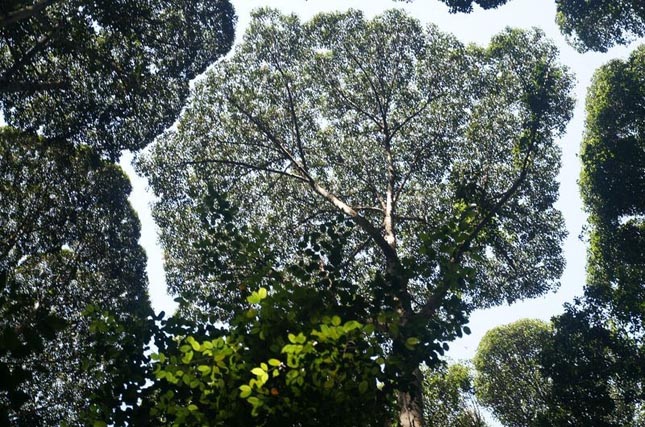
(441, 156)
(588, 24)
(69, 261)
(598, 355)
(572, 371)
(449, 397)
(107, 74)
(612, 184)
(509, 377)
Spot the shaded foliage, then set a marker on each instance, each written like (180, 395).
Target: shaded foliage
(108, 74)
(587, 24)
(287, 357)
(70, 262)
(597, 357)
(596, 371)
(612, 185)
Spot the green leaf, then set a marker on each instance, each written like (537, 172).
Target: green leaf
(274, 362)
(412, 341)
(258, 372)
(245, 391)
(254, 401)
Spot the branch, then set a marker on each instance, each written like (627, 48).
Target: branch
(434, 301)
(369, 209)
(373, 232)
(292, 112)
(367, 226)
(244, 165)
(30, 87)
(418, 156)
(273, 138)
(371, 84)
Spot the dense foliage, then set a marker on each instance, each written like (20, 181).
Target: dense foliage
(612, 184)
(598, 353)
(442, 157)
(509, 377)
(336, 199)
(449, 397)
(588, 24)
(575, 371)
(69, 262)
(108, 74)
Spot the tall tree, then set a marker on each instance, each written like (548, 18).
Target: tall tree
(594, 360)
(73, 299)
(108, 74)
(588, 24)
(599, 341)
(612, 184)
(442, 156)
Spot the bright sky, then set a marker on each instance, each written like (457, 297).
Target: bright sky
(477, 27)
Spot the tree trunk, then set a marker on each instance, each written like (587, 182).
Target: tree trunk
(411, 402)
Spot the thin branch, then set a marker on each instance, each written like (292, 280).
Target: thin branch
(369, 209)
(361, 221)
(371, 84)
(273, 138)
(292, 112)
(361, 246)
(433, 303)
(243, 165)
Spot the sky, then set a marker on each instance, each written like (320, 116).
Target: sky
(477, 27)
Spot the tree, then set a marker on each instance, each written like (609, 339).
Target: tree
(449, 397)
(599, 341)
(598, 25)
(442, 157)
(73, 297)
(110, 75)
(588, 24)
(509, 376)
(612, 183)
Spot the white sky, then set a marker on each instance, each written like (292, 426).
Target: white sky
(477, 27)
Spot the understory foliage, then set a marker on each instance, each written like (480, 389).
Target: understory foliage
(439, 158)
